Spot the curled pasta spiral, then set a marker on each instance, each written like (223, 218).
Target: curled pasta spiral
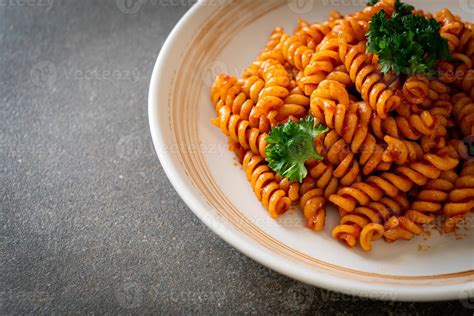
(292, 189)
(299, 48)
(224, 90)
(313, 34)
(295, 106)
(252, 86)
(416, 89)
(367, 13)
(401, 228)
(267, 190)
(366, 223)
(277, 81)
(465, 78)
(331, 105)
(323, 62)
(227, 91)
(353, 29)
(429, 202)
(326, 57)
(321, 177)
(401, 151)
(236, 116)
(239, 131)
(340, 75)
(337, 152)
(437, 90)
(461, 199)
(412, 127)
(312, 204)
(275, 39)
(235, 119)
(335, 17)
(460, 37)
(296, 52)
(368, 80)
(464, 113)
(457, 33)
(391, 183)
(272, 51)
(429, 125)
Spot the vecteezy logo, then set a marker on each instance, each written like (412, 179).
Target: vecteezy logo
(300, 297)
(466, 296)
(44, 74)
(129, 6)
(467, 6)
(43, 221)
(129, 148)
(129, 295)
(301, 6)
(212, 70)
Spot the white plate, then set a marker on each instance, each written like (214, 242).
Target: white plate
(224, 36)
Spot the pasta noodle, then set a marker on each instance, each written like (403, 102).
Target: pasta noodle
(391, 183)
(267, 190)
(367, 79)
(393, 158)
(461, 199)
(313, 205)
(364, 221)
(464, 113)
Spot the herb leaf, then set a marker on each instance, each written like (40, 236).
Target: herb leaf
(406, 43)
(372, 3)
(403, 8)
(291, 145)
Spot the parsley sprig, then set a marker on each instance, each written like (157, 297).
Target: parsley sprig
(406, 43)
(291, 145)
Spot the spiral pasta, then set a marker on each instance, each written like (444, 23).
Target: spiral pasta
(412, 128)
(295, 106)
(429, 202)
(457, 33)
(239, 131)
(365, 224)
(229, 97)
(296, 52)
(461, 199)
(394, 158)
(368, 80)
(298, 49)
(292, 189)
(267, 190)
(323, 62)
(391, 183)
(464, 113)
(331, 105)
(312, 204)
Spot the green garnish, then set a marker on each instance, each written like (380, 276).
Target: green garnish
(406, 43)
(372, 2)
(291, 145)
(403, 8)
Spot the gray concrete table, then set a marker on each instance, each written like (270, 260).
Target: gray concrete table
(89, 221)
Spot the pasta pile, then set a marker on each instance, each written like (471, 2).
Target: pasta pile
(394, 157)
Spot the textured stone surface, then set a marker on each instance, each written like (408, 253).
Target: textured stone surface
(89, 221)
